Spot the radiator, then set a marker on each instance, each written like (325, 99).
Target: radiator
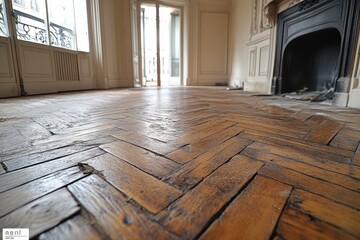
(66, 66)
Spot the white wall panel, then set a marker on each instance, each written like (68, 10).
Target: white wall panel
(37, 63)
(214, 36)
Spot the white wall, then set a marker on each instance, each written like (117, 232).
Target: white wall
(113, 52)
(209, 35)
(240, 35)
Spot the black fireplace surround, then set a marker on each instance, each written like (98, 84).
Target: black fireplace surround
(315, 48)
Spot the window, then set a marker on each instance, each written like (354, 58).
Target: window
(35, 5)
(52, 22)
(3, 24)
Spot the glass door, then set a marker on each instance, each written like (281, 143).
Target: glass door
(160, 45)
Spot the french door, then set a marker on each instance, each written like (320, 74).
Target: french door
(160, 45)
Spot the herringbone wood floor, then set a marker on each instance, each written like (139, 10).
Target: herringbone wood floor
(169, 163)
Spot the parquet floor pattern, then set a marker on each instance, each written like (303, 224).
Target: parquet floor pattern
(178, 163)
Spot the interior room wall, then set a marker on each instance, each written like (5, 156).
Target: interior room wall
(240, 35)
(115, 62)
(209, 36)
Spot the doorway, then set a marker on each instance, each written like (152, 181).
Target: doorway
(160, 31)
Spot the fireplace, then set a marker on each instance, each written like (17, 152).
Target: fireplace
(315, 47)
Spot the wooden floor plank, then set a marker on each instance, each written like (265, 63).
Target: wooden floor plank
(42, 214)
(196, 170)
(19, 177)
(211, 128)
(328, 190)
(253, 214)
(327, 211)
(2, 170)
(346, 139)
(149, 192)
(19, 196)
(74, 228)
(36, 158)
(297, 225)
(312, 171)
(325, 133)
(112, 211)
(184, 218)
(297, 144)
(147, 161)
(308, 158)
(356, 158)
(189, 152)
(146, 142)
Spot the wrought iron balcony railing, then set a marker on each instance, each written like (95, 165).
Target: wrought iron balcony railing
(59, 35)
(2, 20)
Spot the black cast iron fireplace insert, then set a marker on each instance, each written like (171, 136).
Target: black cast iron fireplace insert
(315, 46)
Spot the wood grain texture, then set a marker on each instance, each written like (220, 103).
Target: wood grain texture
(327, 211)
(42, 214)
(19, 196)
(184, 218)
(196, 170)
(117, 217)
(75, 228)
(309, 170)
(148, 191)
(317, 161)
(146, 142)
(189, 152)
(297, 225)
(19, 177)
(298, 180)
(325, 132)
(165, 163)
(147, 161)
(253, 214)
(356, 158)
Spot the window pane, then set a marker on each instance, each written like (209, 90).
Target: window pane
(3, 23)
(30, 20)
(82, 32)
(62, 23)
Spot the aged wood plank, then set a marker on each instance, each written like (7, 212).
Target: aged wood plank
(19, 177)
(187, 153)
(151, 193)
(356, 158)
(325, 132)
(297, 225)
(196, 170)
(212, 128)
(2, 170)
(253, 214)
(112, 211)
(146, 142)
(329, 176)
(327, 211)
(42, 214)
(346, 139)
(183, 216)
(19, 196)
(50, 144)
(297, 144)
(328, 190)
(25, 161)
(147, 161)
(318, 161)
(74, 228)
(31, 129)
